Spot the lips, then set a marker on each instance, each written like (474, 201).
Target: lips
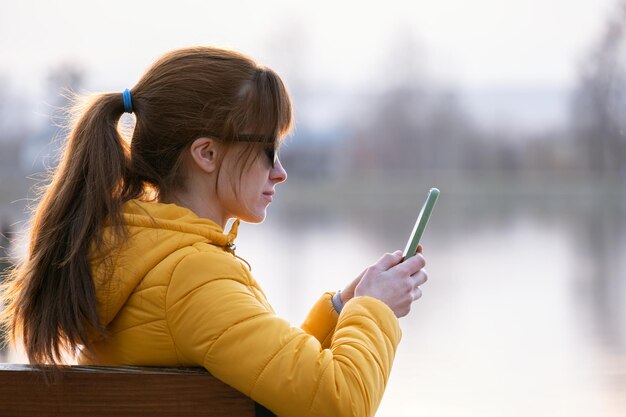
(269, 195)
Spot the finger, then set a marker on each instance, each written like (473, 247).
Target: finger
(358, 279)
(412, 265)
(350, 288)
(389, 260)
(420, 277)
(420, 249)
(417, 294)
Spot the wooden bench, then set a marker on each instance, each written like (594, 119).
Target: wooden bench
(119, 391)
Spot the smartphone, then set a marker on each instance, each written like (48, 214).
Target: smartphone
(420, 224)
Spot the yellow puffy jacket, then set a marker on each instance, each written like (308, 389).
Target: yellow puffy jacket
(179, 297)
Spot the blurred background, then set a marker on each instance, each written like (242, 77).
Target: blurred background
(515, 109)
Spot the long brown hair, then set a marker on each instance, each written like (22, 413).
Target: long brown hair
(50, 300)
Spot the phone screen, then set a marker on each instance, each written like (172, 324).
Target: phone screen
(420, 223)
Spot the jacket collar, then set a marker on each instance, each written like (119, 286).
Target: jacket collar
(179, 219)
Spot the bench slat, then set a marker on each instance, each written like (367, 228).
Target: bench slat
(118, 391)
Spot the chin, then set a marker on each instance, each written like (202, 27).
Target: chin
(254, 217)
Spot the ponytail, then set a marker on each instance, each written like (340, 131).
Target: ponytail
(50, 298)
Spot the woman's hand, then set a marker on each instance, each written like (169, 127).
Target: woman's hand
(392, 281)
(348, 292)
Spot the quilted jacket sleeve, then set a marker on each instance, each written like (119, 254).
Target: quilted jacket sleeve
(223, 325)
(322, 320)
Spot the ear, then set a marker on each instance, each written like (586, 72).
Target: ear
(204, 153)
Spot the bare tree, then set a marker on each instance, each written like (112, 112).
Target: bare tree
(41, 150)
(598, 107)
(5, 236)
(13, 120)
(414, 124)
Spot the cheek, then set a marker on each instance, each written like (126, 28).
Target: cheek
(252, 190)
(227, 187)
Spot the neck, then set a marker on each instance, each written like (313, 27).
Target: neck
(198, 205)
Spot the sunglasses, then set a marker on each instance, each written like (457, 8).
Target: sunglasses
(267, 141)
(270, 151)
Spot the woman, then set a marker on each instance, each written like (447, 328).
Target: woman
(129, 264)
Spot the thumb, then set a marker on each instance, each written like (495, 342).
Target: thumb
(389, 260)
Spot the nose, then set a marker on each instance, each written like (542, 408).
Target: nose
(278, 173)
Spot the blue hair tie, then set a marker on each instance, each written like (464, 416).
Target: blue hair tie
(128, 103)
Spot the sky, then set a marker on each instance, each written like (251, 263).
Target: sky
(326, 44)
